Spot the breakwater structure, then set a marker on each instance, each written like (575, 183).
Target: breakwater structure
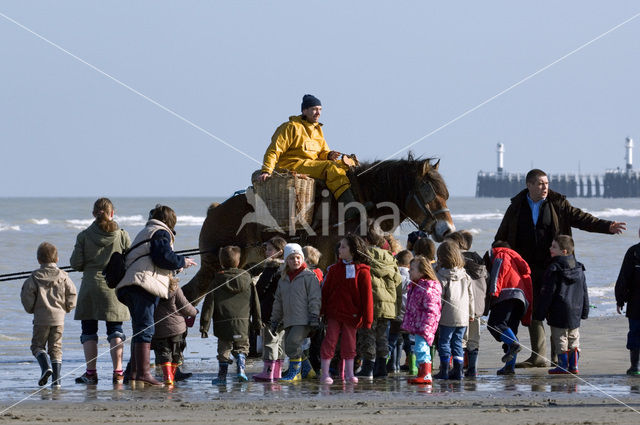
(614, 183)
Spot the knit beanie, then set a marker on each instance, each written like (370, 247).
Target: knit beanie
(309, 101)
(292, 248)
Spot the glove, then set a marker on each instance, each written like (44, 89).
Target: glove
(314, 321)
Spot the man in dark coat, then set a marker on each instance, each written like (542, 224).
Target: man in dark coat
(537, 215)
(628, 292)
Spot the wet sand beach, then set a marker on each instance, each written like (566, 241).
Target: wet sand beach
(598, 396)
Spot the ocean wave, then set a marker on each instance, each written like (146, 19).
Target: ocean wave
(39, 221)
(132, 220)
(616, 212)
(79, 223)
(9, 227)
(189, 220)
(599, 291)
(8, 338)
(473, 217)
(473, 231)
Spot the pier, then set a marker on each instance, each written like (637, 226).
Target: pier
(615, 183)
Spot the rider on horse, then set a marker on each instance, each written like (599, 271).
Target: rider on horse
(298, 145)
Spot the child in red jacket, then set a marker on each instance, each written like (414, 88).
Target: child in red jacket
(347, 304)
(511, 295)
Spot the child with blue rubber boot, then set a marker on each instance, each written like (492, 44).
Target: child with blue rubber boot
(231, 300)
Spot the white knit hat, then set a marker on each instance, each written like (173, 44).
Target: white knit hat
(292, 248)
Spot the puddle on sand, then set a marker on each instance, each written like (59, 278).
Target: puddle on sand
(199, 389)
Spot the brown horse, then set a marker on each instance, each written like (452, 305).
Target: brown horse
(406, 189)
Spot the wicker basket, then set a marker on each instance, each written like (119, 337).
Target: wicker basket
(286, 196)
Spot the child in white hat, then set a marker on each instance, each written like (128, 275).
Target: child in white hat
(296, 307)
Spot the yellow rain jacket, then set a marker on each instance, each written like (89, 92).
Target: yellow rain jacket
(299, 145)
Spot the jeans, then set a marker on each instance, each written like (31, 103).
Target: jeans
(422, 350)
(142, 306)
(633, 337)
(450, 342)
(90, 331)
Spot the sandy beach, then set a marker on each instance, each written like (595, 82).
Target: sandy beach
(601, 394)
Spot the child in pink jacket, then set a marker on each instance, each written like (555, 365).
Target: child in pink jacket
(423, 314)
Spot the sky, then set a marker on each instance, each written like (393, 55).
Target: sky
(208, 75)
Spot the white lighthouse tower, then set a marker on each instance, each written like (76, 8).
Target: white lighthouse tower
(629, 153)
(500, 151)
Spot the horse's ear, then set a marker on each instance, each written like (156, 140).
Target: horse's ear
(427, 166)
(436, 165)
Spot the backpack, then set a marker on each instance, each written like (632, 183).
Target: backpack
(116, 268)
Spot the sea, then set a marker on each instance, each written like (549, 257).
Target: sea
(26, 222)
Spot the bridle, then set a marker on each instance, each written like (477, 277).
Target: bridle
(423, 194)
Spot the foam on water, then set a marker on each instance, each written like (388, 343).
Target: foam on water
(39, 221)
(9, 227)
(189, 220)
(616, 212)
(474, 217)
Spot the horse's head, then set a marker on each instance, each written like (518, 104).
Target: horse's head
(426, 204)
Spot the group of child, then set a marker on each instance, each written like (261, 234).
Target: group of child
(435, 303)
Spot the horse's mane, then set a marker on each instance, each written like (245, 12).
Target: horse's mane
(394, 179)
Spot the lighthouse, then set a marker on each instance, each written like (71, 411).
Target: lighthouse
(500, 151)
(629, 153)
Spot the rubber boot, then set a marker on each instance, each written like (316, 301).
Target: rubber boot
(391, 361)
(325, 374)
(277, 369)
(424, 375)
(509, 338)
(223, 367)
(56, 375)
(634, 356)
(366, 371)
(293, 373)
(167, 373)
(538, 347)
(143, 372)
(457, 373)
(574, 355)
(267, 372)
(349, 377)
(413, 368)
(509, 367)
(127, 374)
(241, 362)
(472, 369)
(179, 375)
(45, 367)
(306, 370)
(443, 373)
(380, 368)
(563, 365)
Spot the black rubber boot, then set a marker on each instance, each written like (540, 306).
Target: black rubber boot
(391, 363)
(366, 371)
(55, 377)
(634, 356)
(45, 367)
(444, 369)
(380, 368)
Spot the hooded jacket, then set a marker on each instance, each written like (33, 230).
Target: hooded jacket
(402, 292)
(477, 271)
(385, 278)
(93, 249)
(170, 314)
(297, 302)
(231, 302)
(49, 294)
(142, 263)
(457, 297)
(628, 283)
(564, 299)
(295, 140)
(348, 300)
(510, 279)
(424, 309)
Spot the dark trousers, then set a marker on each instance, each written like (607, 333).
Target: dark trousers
(503, 315)
(633, 337)
(142, 306)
